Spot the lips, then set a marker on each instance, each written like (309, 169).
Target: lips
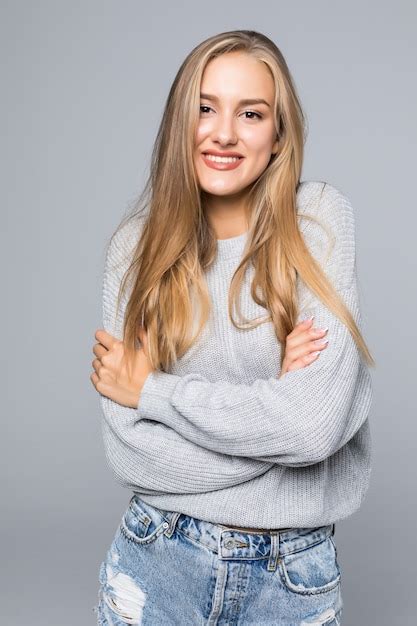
(222, 166)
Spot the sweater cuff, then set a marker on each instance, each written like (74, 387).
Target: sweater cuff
(156, 393)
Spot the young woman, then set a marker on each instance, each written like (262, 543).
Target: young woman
(244, 438)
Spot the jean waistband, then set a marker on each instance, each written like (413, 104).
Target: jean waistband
(230, 543)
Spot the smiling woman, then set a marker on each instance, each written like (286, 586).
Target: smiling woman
(243, 440)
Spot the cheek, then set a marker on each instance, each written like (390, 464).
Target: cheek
(259, 143)
(203, 129)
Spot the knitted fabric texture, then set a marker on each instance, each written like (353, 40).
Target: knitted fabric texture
(219, 436)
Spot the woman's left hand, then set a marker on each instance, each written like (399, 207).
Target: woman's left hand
(111, 378)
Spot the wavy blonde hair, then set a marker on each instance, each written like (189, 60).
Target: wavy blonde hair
(177, 244)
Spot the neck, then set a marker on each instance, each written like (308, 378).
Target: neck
(227, 215)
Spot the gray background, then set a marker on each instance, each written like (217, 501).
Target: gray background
(83, 85)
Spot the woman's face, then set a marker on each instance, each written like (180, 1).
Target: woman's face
(228, 124)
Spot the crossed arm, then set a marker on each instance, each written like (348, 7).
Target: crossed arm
(189, 434)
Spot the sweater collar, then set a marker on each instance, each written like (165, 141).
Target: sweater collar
(232, 247)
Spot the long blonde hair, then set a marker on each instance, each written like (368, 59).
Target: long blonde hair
(177, 244)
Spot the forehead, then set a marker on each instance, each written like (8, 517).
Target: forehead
(236, 75)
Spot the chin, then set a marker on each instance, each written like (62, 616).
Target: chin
(223, 188)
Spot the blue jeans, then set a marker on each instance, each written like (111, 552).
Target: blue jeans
(166, 568)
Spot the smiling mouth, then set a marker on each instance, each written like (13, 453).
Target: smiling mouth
(221, 163)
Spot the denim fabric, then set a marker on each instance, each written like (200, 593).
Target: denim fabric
(166, 568)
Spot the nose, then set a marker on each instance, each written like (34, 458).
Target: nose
(224, 131)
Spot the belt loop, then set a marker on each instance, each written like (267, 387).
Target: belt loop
(273, 555)
(172, 523)
(333, 529)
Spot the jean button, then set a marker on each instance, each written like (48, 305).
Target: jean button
(165, 525)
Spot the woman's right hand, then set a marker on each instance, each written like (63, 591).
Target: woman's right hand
(301, 347)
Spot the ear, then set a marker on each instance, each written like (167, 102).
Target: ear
(275, 147)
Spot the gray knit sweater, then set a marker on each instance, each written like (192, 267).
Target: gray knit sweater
(219, 436)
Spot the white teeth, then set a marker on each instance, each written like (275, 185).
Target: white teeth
(218, 159)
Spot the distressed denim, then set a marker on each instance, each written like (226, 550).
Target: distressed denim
(165, 568)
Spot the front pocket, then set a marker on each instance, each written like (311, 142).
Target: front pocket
(312, 570)
(137, 526)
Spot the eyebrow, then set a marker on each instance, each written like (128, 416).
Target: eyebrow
(207, 96)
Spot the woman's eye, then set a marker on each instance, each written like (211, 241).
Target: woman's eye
(258, 115)
(204, 106)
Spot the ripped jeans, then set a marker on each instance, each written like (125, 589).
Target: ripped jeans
(166, 568)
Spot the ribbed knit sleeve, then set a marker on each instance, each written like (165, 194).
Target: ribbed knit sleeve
(300, 419)
(144, 454)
